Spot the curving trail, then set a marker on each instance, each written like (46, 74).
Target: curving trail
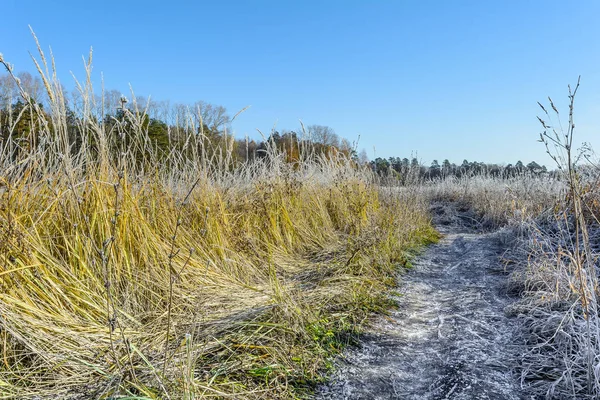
(449, 337)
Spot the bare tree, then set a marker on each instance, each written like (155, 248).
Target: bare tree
(363, 158)
(324, 135)
(213, 117)
(32, 85)
(8, 92)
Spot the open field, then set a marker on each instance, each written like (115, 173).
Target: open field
(140, 266)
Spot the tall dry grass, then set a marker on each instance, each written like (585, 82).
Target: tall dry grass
(181, 276)
(552, 234)
(495, 201)
(560, 281)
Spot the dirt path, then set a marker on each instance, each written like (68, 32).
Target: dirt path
(449, 338)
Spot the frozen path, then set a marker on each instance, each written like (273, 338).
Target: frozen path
(449, 337)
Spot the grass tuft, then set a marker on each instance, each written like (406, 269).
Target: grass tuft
(188, 278)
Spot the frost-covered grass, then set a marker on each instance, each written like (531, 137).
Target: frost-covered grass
(182, 276)
(498, 201)
(554, 227)
(560, 324)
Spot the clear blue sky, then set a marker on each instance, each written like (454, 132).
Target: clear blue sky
(446, 79)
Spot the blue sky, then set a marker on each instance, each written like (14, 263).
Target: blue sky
(445, 79)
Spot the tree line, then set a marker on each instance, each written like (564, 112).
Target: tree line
(166, 127)
(403, 169)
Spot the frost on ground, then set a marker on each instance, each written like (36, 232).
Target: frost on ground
(450, 337)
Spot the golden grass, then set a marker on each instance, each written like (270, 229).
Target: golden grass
(186, 279)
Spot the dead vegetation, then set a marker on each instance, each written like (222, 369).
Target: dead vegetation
(185, 276)
(554, 241)
(182, 276)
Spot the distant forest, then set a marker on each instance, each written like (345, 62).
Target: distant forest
(169, 125)
(404, 169)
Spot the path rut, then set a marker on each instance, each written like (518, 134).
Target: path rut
(449, 337)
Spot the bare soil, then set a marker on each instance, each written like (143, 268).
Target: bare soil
(450, 337)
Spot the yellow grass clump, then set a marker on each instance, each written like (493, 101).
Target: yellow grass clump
(182, 275)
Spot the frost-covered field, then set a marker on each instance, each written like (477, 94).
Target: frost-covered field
(554, 252)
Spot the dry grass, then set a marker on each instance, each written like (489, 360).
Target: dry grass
(186, 278)
(554, 255)
(498, 202)
(554, 227)
(560, 307)
(561, 335)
